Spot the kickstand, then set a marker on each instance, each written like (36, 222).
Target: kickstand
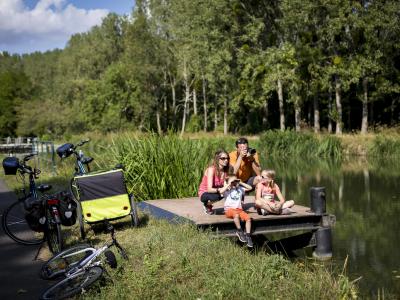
(38, 251)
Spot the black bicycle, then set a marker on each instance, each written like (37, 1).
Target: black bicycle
(82, 167)
(79, 267)
(32, 219)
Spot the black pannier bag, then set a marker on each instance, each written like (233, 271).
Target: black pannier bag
(10, 165)
(34, 214)
(67, 208)
(65, 150)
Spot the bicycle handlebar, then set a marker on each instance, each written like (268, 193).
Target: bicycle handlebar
(81, 143)
(29, 156)
(24, 168)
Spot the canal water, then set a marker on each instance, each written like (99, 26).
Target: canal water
(365, 198)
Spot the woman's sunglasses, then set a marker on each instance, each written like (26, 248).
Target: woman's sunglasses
(224, 158)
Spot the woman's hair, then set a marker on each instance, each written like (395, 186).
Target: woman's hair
(271, 174)
(216, 162)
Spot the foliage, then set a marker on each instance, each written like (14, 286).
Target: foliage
(163, 166)
(289, 143)
(239, 58)
(385, 147)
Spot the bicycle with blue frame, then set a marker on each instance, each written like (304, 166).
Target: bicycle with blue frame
(100, 195)
(32, 219)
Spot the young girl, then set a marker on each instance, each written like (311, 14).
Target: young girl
(234, 190)
(267, 189)
(213, 180)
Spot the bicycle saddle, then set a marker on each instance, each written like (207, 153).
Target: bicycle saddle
(86, 160)
(44, 187)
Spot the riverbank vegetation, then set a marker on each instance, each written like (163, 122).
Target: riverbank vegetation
(231, 66)
(178, 262)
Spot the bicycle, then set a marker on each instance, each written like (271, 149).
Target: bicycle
(80, 266)
(82, 168)
(42, 212)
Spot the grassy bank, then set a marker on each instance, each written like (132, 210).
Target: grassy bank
(178, 262)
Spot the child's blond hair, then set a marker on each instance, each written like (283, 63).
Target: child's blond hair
(270, 174)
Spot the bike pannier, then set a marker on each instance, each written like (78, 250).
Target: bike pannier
(10, 165)
(67, 209)
(35, 216)
(65, 150)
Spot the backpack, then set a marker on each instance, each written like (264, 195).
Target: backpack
(67, 208)
(34, 214)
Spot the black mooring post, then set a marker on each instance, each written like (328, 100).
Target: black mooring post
(318, 202)
(323, 235)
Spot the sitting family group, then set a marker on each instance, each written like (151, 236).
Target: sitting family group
(230, 176)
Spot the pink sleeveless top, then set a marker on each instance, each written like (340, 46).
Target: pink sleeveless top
(267, 192)
(217, 182)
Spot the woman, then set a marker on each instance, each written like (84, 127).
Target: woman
(213, 180)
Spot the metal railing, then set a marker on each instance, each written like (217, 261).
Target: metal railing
(25, 145)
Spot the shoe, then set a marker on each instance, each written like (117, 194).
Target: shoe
(264, 212)
(241, 236)
(259, 211)
(208, 209)
(249, 241)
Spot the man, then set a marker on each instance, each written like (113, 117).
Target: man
(245, 162)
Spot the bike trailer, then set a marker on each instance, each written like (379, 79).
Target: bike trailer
(103, 196)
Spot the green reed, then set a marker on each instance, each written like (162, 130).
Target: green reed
(290, 143)
(384, 146)
(160, 167)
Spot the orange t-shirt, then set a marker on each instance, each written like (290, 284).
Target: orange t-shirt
(245, 170)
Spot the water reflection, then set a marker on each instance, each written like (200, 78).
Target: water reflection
(365, 197)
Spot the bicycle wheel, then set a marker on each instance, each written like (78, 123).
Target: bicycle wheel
(134, 213)
(73, 285)
(15, 226)
(53, 233)
(74, 190)
(63, 261)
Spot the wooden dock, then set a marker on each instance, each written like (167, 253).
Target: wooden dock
(315, 225)
(191, 210)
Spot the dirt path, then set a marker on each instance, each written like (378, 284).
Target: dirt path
(19, 264)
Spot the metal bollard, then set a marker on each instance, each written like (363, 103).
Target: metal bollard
(318, 201)
(323, 250)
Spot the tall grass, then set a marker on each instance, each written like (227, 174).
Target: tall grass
(179, 262)
(163, 167)
(385, 146)
(290, 143)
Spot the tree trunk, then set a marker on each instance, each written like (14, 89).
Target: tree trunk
(194, 102)
(158, 117)
(364, 121)
(338, 106)
(173, 94)
(187, 97)
(281, 112)
(265, 116)
(225, 115)
(317, 126)
(216, 113)
(330, 111)
(297, 115)
(204, 103)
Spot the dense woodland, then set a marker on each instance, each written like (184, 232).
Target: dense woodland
(205, 65)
